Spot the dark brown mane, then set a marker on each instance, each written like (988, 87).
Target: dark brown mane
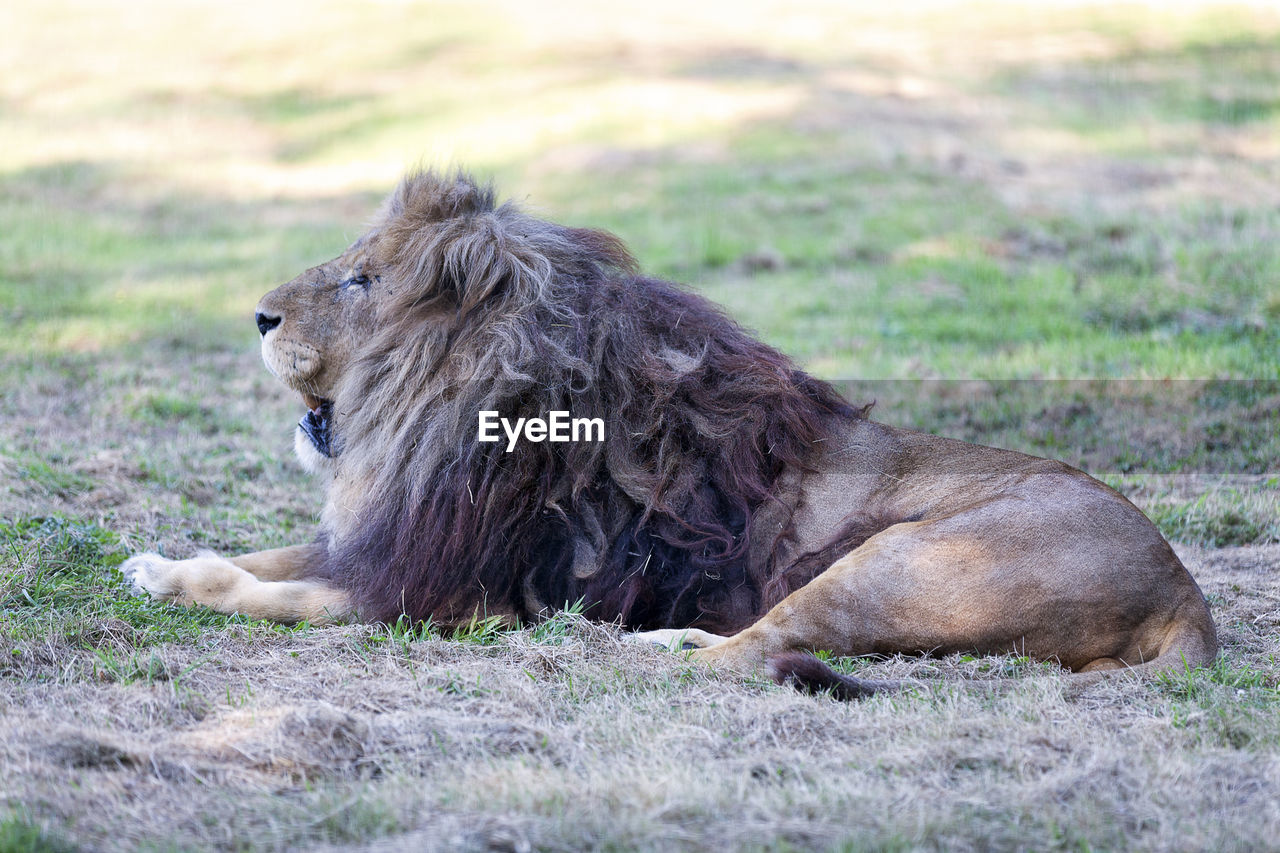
(654, 526)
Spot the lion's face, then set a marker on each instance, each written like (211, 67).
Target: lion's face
(311, 328)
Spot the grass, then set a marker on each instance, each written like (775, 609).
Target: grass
(18, 835)
(1221, 517)
(1054, 230)
(61, 580)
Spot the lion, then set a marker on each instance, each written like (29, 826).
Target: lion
(735, 503)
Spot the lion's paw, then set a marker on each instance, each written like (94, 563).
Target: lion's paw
(151, 574)
(671, 639)
(664, 637)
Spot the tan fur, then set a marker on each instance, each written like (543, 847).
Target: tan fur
(223, 585)
(1010, 553)
(1001, 552)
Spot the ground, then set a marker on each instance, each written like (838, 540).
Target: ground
(1052, 228)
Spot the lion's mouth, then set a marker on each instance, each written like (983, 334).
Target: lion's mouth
(315, 423)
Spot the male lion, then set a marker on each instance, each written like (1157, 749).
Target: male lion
(732, 494)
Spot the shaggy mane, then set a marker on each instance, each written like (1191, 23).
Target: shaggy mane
(496, 310)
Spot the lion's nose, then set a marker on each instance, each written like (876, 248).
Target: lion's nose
(266, 322)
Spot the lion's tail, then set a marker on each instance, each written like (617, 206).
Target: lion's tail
(810, 675)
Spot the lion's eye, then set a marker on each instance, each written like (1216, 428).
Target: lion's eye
(357, 281)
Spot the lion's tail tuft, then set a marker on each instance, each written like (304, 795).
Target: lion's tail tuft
(805, 672)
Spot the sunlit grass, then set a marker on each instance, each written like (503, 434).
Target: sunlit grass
(162, 180)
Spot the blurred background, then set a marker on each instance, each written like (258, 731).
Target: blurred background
(923, 188)
(916, 190)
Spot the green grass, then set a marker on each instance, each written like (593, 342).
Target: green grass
(60, 579)
(18, 835)
(52, 478)
(1224, 80)
(1220, 517)
(79, 276)
(936, 278)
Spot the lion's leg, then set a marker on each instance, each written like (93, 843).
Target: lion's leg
(279, 564)
(226, 587)
(835, 612)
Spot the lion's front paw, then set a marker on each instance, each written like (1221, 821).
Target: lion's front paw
(151, 574)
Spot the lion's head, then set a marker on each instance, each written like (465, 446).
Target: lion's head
(451, 305)
(312, 328)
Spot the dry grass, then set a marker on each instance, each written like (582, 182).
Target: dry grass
(572, 739)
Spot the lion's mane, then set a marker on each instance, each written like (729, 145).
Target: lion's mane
(497, 310)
